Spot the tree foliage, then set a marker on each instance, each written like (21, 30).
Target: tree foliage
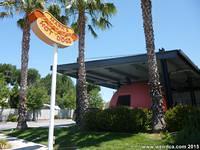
(33, 76)
(36, 97)
(14, 96)
(97, 14)
(4, 93)
(65, 90)
(94, 98)
(10, 73)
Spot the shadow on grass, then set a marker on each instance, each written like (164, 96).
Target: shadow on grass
(68, 138)
(75, 139)
(37, 135)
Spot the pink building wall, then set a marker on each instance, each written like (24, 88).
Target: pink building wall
(140, 97)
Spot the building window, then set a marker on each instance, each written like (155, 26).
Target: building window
(124, 100)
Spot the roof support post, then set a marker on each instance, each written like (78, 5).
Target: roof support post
(192, 92)
(167, 84)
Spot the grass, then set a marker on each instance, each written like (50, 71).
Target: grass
(73, 138)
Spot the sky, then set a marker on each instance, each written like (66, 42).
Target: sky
(176, 26)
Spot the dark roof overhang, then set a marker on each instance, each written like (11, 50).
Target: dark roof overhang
(114, 72)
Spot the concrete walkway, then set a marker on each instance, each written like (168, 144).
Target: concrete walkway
(59, 123)
(19, 144)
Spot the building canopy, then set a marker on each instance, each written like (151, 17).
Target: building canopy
(114, 72)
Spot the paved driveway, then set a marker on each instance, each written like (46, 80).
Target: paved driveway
(59, 123)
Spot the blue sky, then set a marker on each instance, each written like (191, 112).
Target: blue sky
(176, 26)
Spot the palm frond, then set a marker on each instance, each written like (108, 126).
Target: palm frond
(97, 13)
(7, 8)
(55, 10)
(4, 14)
(102, 23)
(90, 28)
(74, 26)
(21, 23)
(100, 13)
(7, 3)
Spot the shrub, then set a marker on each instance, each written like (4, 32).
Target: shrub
(181, 116)
(118, 119)
(190, 134)
(4, 144)
(148, 123)
(12, 118)
(91, 119)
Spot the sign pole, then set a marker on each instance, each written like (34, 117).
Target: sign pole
(53, 97)
(62, 36)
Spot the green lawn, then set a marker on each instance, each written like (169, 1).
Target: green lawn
(73, 138)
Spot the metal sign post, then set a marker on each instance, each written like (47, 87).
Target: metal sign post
(56, 34)
(53, 97)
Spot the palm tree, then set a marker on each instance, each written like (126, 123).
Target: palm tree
(88, 14)
(154, 83)
(25, 7)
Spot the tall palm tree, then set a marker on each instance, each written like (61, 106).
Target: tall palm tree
(25, 7)
(154, 83)
(91, 14)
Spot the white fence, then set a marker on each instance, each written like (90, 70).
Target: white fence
(41, 114)
(4, 113)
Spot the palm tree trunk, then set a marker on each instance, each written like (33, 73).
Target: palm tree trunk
(82, 101)
(24, 71)
(34, 115)
(154, 83)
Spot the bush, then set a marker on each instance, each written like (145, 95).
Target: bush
(148, 123)
(190, 134)
(4, 144)
(12, 118)
(118, 119)
(91, 119)
(179, 117)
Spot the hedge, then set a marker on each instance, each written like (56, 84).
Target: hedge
(118, 119)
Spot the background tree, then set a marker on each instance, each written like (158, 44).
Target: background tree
(14, 96)
(88, 14)
(65, 90)
(36, 97)
(33, 76)
(94, 97)
(10, 73)
(154, 83)
(68, 100)
(4, 93)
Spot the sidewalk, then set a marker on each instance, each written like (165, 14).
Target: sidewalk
(59, 123)
(19, 144)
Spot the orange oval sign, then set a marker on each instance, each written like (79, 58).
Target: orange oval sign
(50, 30)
